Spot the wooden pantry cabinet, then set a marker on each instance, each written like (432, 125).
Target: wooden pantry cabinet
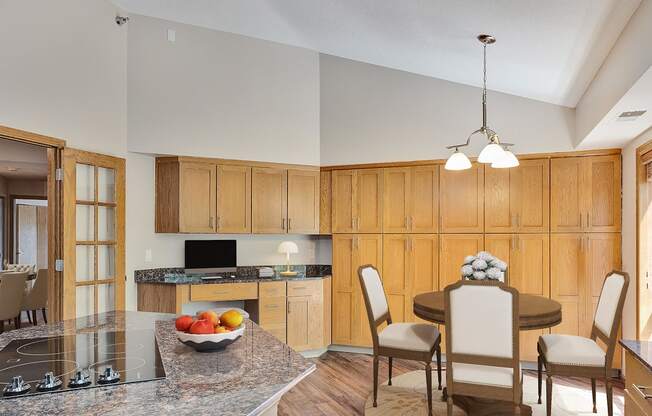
(233, 199)
(350, 325)
(585, 194)
(306, 317)
(357, 201)
(411, 199)
(462, 200)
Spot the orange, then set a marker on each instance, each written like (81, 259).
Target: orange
(231, 318)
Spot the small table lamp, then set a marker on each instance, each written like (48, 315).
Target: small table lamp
(287, 247)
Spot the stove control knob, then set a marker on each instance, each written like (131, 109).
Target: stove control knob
(80, 379)
(49, 382)
(16, 387)
(108, 376)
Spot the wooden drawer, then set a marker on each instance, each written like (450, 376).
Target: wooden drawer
(271, 289)
(224, 291)
(305, 288)
(632, 407)
(638, 376)
(271, 311)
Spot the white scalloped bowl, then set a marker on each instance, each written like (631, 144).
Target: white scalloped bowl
(211, 342)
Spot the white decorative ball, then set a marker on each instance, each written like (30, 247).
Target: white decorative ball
(469, 259)
(486, 256)
(479, 275)
(479, 264)
(467, 270)
(494, 273)
(499, 264)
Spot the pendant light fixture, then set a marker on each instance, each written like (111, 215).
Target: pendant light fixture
(495, 153)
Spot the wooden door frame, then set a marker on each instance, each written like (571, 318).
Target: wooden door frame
(640, 178)
(54, 148)
(12, 224)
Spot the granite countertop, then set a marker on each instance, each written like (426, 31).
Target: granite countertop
(641, 350)
(244, 379)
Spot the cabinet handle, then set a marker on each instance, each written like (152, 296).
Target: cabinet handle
(210, 222)
(271, 306)
(299, 287)
(289, 311)
(289, 224)
(218, 223)
(588, 220)
(283, 223)
(407, 223)
(518, 220)
(513, 242)
(218, 292)
(581, 220)
(357, 223)
(411, 223)
(642, 391)
(353, 223)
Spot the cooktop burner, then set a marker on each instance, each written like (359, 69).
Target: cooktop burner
(86, 360)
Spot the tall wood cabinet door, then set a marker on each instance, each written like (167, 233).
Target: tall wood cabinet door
(424, 268)
(499, 204)
(269, 200)
(603, 187)
(368, 250)
(233, 199)
(502, 246)
(344, 203)
(298, 322)
(344, 288)
(453, 248)
(568, 280)
(424, 199)
(397, 199)
(567, 194)
(462, 200)
(197, 199)
(325, 202)
(370, 201)
(396, 275)
(303, 201)
(532, 196)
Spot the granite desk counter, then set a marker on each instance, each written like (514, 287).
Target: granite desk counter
(247, 378)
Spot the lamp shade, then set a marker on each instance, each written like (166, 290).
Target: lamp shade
(508, 160)
(288, 247)
(457, 161)
(491, 153)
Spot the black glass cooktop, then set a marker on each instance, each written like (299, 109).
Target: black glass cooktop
(86, 360)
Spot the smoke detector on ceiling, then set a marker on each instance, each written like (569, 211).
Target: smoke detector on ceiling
(631, 115)
(12, 169)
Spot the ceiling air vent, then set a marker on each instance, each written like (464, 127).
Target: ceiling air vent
(630, 115)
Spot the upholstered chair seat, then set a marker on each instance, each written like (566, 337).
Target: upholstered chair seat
(408, 336)
(572, 350)
(484, 375)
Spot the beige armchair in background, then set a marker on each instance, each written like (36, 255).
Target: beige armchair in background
(12, 292)
(37, 297)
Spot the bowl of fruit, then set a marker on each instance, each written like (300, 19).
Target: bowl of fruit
(209, 330)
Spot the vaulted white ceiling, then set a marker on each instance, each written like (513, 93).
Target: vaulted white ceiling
(548, 51)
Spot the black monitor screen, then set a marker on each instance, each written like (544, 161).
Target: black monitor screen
(210, 254)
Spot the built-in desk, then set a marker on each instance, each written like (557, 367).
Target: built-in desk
(638, 378)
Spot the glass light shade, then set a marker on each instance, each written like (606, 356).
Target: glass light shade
(508, 160)
(287, 247)
(491, 153)
(458, 161)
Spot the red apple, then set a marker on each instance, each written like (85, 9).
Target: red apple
(210, 316)
(202, 326)
(183, 323)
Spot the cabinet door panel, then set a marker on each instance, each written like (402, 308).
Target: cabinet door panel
(368, 250)
(462, 200)
(396, 274)
(303, 202)
(370, 201)
(499, 195)
(424, 199)
(566, 194)
(197, 198)
(453, 248)
(233, 199)
(269, 200)
(298, 322)
(604, 176)
(397, 198)
(344, 288)
(502, 247)
(424, 275)
(325, 202)
(344, 203)
(533, 196)
(567, 277)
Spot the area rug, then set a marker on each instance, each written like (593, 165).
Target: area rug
(406, 396)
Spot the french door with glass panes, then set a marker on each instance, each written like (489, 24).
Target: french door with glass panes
(94, 233)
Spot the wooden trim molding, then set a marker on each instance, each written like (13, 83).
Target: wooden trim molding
(32, 138)
(640, 178)
(235, 162)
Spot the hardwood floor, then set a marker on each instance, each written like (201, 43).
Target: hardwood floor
(342, 382)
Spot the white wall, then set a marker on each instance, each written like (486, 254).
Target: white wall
(213, 93)
(368, 113)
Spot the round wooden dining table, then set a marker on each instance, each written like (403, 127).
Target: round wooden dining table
(535, 312)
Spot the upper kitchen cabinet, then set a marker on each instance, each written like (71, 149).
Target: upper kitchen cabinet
(517, 199)
(411, 199)
(357, 201)
(585, 194)
(233, 199)
(303, 201)
(325, 202)
(269, 203)
(462, 200)
(185, 197)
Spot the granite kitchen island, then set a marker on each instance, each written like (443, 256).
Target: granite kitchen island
(247, 378)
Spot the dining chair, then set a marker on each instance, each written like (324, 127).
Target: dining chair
(575, 356)
(36, 298)
(409, 341)
(12, 291)
(482, 342)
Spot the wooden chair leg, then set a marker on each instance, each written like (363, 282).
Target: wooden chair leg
(438, 352)
(449, 406)
(540, 370)
(2, 326)
(429, 386)
(595, 409)
(610, 397)
(34, 317)
(375, 381)
(389, 383)
(17, 322)
(45, 317)
(29, 317)
(548, 395)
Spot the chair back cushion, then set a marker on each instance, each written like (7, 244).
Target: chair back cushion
(481, 319)
(37, 296)
(12, 292)
(373, 287)
(605, 313)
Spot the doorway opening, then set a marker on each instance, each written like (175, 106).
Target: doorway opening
(644, 242)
